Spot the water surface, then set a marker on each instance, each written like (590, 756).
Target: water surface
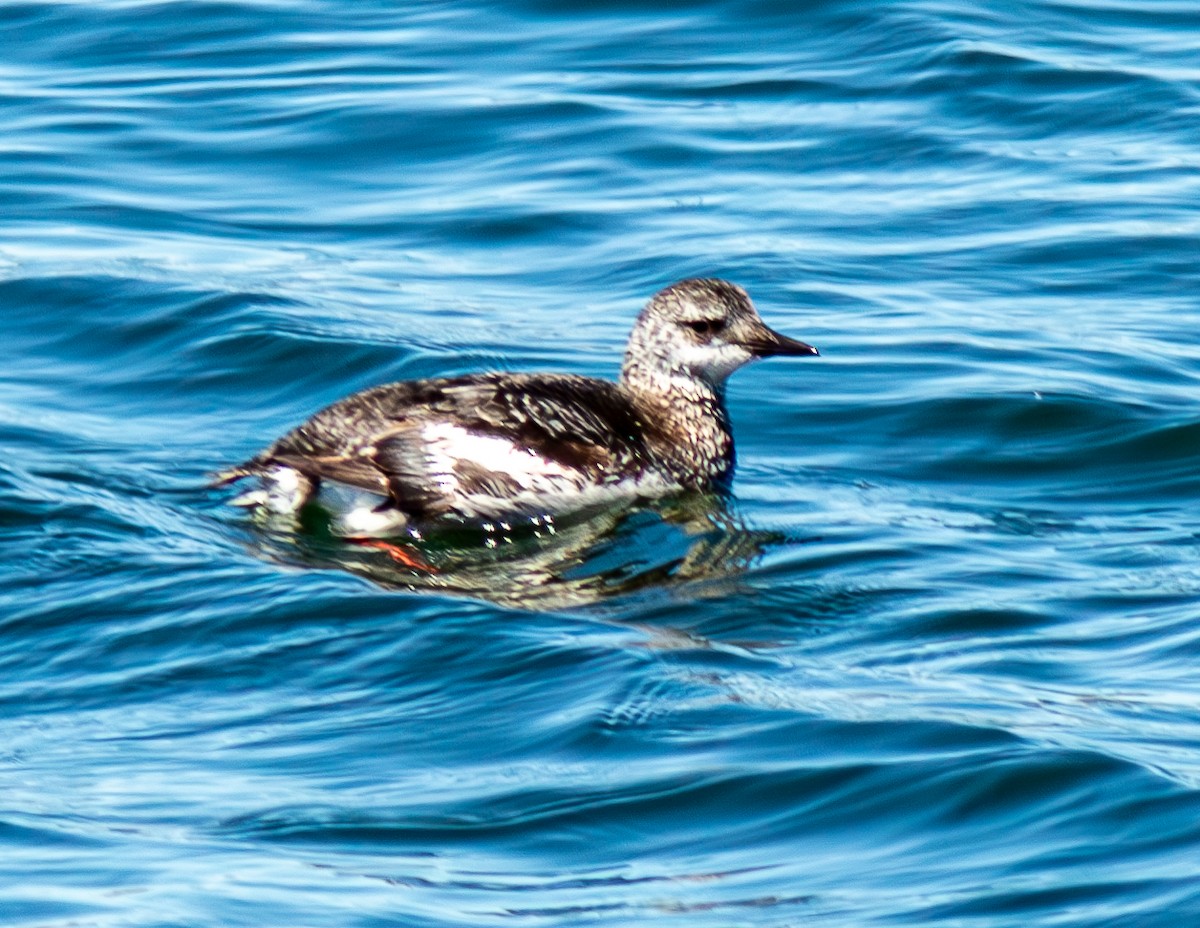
(934, 665)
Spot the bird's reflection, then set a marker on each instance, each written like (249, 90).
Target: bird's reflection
(696, 542)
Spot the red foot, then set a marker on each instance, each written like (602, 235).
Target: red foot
(401, 554)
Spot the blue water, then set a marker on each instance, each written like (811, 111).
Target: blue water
(936, 662)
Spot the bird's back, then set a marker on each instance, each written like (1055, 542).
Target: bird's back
(475, 446)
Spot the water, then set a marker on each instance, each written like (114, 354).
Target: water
(935, 662)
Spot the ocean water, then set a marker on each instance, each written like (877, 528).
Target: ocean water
(935, 662)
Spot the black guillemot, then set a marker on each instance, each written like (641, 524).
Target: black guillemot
(493, 447)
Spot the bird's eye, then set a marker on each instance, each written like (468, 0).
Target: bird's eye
(705, 326)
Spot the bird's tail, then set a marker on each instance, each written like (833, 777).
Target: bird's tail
(223, 478)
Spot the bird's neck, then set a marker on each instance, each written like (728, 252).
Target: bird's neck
(688, 427)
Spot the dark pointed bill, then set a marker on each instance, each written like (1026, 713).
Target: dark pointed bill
(768, 343)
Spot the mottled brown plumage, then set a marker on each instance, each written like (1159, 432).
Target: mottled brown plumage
(491, 445)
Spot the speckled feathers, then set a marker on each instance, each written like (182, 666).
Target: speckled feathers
(495, 445)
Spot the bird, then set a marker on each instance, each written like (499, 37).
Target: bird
(491, 448)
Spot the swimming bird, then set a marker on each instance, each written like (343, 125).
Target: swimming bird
(495, 446)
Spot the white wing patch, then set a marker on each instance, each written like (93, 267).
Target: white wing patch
(544, 485)
(447, 443)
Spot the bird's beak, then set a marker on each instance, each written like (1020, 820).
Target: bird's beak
(767, 343)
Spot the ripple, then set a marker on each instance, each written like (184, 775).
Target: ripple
(932, 664)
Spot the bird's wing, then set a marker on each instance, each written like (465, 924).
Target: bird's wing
(410, 440)
(574, 421)
(390, 459)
